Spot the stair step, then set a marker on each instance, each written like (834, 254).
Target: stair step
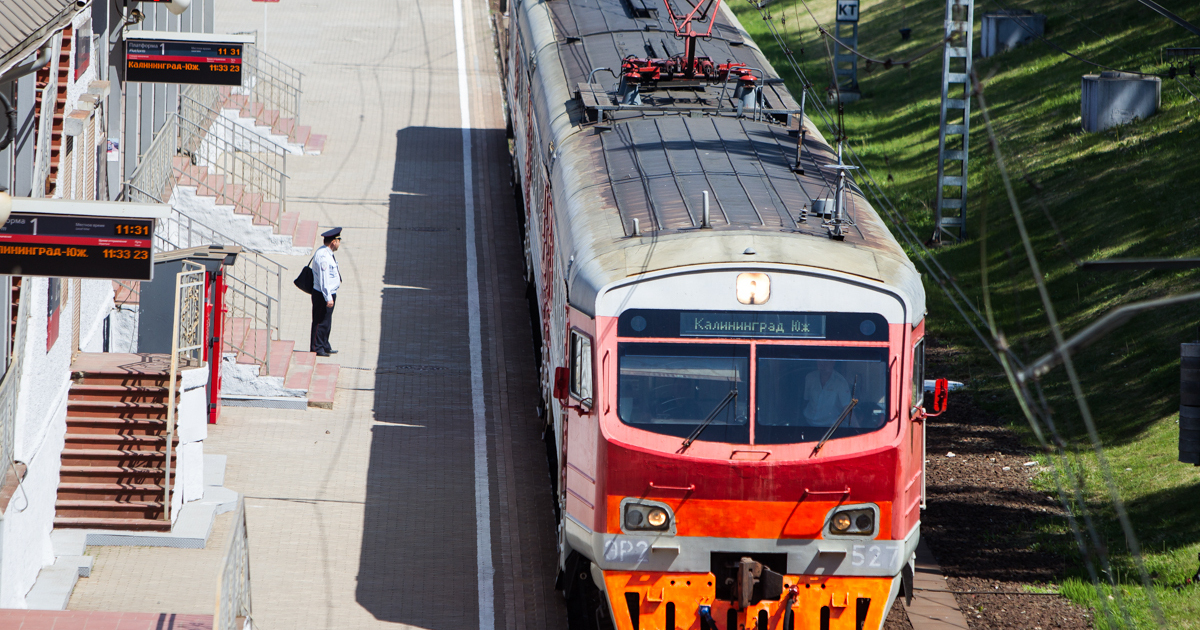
(118, 393)
(139, 443)
(284, 126)
(111, 456)
(137, 524)
(116, 426)
(315, 144)
(110, 491)
(300, 371)
(269, 211)
(85, 508)
(324, 385)
(306, 234)
(234, 335)
(256, 347)
(281, 356)
(111, 474)
(302, 134)
(105, 409)
(287, 223)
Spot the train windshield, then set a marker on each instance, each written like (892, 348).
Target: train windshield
(802, 391)
(673, 388)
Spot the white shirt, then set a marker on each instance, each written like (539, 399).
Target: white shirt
(326, 277)
(825, 402)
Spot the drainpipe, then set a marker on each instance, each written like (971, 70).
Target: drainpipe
(18, 71)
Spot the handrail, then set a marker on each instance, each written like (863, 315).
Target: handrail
(233, 600)
(187, 338)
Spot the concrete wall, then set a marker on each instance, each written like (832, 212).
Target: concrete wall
(41, 425)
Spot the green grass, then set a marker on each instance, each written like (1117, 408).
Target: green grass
(1127, 192)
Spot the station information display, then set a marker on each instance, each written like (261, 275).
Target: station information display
(73, 246)
(177, 61)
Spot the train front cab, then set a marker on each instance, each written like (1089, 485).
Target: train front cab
(693, 480)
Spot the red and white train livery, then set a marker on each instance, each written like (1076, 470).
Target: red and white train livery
(733, 374)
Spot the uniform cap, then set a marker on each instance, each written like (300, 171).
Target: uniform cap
(337, 231)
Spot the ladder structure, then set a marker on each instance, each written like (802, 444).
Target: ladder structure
(955, 128)
(845, 62)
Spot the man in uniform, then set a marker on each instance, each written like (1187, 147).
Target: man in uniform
(326, 281)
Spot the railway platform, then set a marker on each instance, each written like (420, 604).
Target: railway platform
(368, 515)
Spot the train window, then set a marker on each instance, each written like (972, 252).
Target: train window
(581, 366)
(802, 391)
(671, 388)
(918, 374)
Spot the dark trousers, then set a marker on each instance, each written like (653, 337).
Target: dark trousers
(322, 321)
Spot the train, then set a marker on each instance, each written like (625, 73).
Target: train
(732, 341)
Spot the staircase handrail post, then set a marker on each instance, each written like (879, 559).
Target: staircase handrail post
(186, 289)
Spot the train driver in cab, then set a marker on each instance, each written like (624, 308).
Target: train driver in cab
(826, 394)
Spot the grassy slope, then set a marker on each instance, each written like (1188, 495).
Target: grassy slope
(1129, 192)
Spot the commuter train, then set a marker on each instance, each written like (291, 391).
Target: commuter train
(731, 339)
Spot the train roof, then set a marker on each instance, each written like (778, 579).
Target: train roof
(653, 162)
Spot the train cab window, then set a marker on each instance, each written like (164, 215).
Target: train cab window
(801, 391)
(581, 366)
(672, 388)
(918, 374)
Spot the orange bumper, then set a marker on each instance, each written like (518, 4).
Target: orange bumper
(672, 601)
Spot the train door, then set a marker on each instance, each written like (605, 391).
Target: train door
(581, 428)
(916, 482)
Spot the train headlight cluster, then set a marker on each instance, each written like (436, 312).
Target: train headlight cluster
(647, 517)
(858, 521)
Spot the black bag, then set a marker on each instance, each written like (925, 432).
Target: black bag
(304, 281)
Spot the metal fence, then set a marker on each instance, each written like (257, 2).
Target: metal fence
(10, 386)
(253, 284)
(187, 350)
(233, 583)
(272, 83)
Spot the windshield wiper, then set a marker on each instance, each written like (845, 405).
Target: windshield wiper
(707, 421)
(845, 412)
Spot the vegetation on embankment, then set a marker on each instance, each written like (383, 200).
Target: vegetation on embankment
(1127, 192)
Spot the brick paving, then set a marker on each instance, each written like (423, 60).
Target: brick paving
(363, 516)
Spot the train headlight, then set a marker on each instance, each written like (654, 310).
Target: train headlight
(858, 520)
(753, 288)
(641, 515)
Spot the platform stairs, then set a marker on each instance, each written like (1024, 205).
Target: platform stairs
(221, 163)
(114, 460)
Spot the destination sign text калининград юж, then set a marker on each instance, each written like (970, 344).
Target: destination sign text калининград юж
(77, 247)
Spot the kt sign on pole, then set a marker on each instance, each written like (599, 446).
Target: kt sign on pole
(847, 10)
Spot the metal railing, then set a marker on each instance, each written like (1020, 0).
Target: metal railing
(232, 163)
(45, 140)
(254, 283)
(187, 347)
(233, 609)
(10, 386)
(272, 83)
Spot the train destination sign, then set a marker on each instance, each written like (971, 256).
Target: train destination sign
(165, 58)
(740, 324)
(77, 245)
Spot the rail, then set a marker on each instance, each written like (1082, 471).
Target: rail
(254, 283)
(187, 343)
(10, 386)
(272, 83)
(233, 610)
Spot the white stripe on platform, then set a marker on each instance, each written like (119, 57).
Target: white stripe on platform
(483, 505)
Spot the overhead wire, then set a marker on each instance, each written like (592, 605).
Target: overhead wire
(1021, 23)
(925, 258)
(950, 287)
